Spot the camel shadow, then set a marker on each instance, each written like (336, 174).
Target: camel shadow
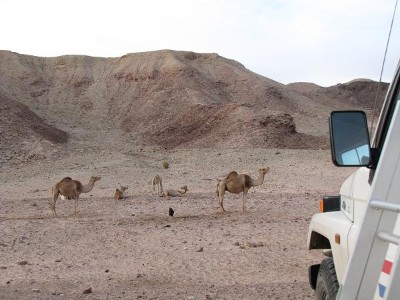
(25, 218)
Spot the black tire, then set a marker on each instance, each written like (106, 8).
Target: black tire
(327, 283)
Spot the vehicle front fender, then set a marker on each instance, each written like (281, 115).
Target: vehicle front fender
(330, 231)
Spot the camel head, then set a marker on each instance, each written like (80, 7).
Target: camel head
(185, 188)
(263, 170)
(95, 178)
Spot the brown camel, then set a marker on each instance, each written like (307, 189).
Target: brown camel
(119, 193)
(71, 189)
(238, 183)
(157, 181)
(175, 193)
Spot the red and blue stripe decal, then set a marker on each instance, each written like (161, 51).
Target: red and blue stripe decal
(386, 269)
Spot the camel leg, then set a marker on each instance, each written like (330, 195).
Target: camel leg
(53, 202)
(221, 202)
(76, 204)
(244, 198)
(221, 192)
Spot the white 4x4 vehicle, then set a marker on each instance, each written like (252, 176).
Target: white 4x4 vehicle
(358, 230)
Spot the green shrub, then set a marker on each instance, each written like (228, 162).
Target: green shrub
(165, 164)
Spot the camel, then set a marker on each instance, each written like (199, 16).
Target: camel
(175, 193)
(157, 181)
(119, 193)
(238, 183)
(71, 189)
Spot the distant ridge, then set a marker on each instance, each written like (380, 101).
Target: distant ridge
(170, 99)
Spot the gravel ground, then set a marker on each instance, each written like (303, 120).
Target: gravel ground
(132, 248)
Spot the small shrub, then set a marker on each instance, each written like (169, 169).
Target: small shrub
(165, 164)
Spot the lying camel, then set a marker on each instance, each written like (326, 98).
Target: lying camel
(71, 189)
(238, 183)
(175, 193)
(157, 181)
(119, 193)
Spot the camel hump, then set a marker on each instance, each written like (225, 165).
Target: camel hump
(232, 174)
(66, 178)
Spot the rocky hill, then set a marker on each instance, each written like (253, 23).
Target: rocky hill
(164, 99)
(358, 93)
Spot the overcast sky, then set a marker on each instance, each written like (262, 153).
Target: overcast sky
(321, 41)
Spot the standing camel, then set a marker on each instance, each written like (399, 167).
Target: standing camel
(71, 189)
(238, 183)
(157, 181)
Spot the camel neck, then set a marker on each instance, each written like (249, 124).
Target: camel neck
(87, 188)
(259, 180)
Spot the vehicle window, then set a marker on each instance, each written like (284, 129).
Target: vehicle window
(389, 115)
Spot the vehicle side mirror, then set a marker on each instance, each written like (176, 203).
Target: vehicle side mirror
(350, 144)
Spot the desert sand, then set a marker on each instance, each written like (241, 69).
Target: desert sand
(132, 248)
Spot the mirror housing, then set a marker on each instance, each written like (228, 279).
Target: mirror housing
(349, 136)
